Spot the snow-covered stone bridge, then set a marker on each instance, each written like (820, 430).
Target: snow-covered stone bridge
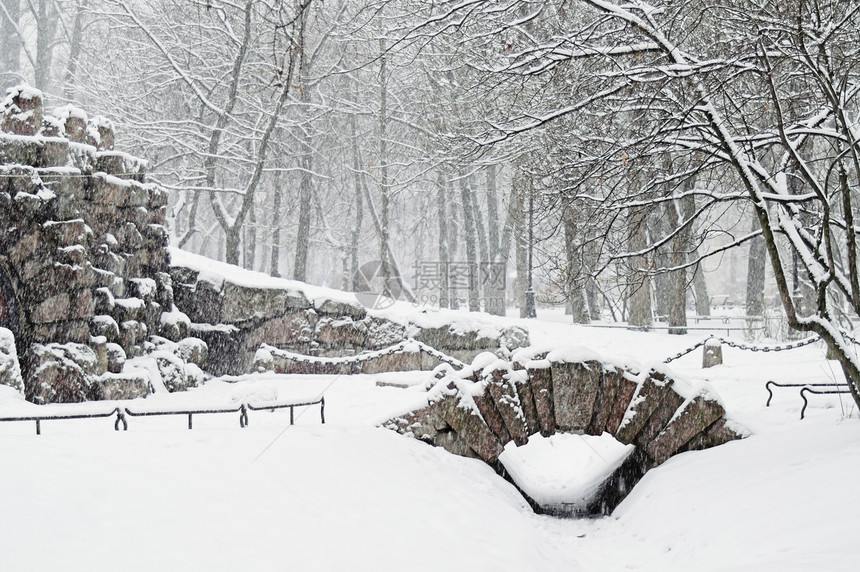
(479, 410)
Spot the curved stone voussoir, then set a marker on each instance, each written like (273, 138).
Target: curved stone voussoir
(719, 432)
(610, 382)
(511, 401)
(649, 394)
(575, 387)
(460, 413)
(520, 378)
(489, 411)
(497, 381)
(689, 420)
(664, 412)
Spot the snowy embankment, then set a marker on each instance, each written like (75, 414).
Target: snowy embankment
(348, 496)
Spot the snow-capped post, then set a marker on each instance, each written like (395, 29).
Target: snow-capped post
(713, 353)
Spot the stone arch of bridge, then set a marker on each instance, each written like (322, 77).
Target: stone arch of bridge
(478, 413)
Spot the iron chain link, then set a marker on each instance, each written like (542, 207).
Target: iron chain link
(361, 358)
(752, 348)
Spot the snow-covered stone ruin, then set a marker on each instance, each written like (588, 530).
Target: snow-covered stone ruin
(92, 307)
(237, 311)
(83, 253)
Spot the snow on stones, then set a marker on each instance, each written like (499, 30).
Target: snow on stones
(236, 310)
(10, 370)
(493, 404)
(87, 260)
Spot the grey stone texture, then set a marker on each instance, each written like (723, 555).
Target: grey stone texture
(475, 413)
(83, 249)
(235, 319)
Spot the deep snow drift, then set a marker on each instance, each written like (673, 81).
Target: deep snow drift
(349, 496)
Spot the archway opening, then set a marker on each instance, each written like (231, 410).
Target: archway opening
(565, 474)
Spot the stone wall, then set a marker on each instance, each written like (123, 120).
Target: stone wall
(477, 411)
(83, 249)
(236, 310)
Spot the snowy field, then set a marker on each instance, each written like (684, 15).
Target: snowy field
(348, 496)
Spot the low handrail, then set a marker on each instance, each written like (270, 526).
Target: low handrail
(292, 406)
(241, 409)
(844, 389)
(121, 413)
(770, 384)
(120, 418)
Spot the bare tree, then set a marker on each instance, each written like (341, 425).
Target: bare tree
(720, 90)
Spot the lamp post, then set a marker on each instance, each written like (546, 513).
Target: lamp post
(530, 311)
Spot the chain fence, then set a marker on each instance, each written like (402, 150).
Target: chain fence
(358, 359)
(753, 347)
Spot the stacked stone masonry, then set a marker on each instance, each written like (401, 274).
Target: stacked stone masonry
(477, 411)
(83, 250)
(235, 319)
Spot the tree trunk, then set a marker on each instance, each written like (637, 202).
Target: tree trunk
(573, 286)
(700, 285)
(10, 43)
(520, 236)
(483, 248)
(444, 260)
(275, 262)
(45, 29)
(306, 162)
(75, 44)
(250, 258)
(592, 288)
(385, 228)
(755, 274)
(454, 215)
(495, 291)
(677, 279)
(638, 284)
(658, 227)
(303, 230)
(471, 246)
(359, 218)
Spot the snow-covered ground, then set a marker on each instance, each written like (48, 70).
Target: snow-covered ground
(349, 496)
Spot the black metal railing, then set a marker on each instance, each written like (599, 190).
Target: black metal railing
(837, 389)
(292, 406)
(834, 388)
(241, 410)
(120, 418)
(122, 413)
